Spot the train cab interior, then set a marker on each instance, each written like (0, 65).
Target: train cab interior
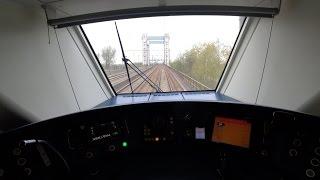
(159, 89)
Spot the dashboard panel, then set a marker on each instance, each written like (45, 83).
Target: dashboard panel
(166, 140)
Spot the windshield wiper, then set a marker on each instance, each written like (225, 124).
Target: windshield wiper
(135, 68)
(124, 59)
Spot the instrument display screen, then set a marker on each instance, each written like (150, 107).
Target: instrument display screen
(231, 131)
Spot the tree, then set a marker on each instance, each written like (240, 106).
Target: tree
(108, 55)
(204, 62)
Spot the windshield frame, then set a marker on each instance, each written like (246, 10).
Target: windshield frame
(97, 59)
(232, 52)
(127, 93)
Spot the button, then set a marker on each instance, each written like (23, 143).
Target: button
(310, 173)
(293, 153)
(89, 155)
(21, 161)
(264, 153)
(27, 171)
(315, 162)
(297, 142)
(317, 151)
(16, 151)
(112, 148)
(94, 172)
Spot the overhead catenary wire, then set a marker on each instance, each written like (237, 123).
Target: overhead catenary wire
(157, 88)
(86, 61)
(149, 81)
(265, 61)
(66, 70)
(135, 68)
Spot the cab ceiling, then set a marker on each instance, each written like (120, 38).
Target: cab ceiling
(62, 13)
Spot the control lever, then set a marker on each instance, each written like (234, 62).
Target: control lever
(222, 164)
(41, 146)
(43, 154)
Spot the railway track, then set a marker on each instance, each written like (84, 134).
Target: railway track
(120, 80)
(154, 77)
(119, 76)
(166, 78)
(138, 82)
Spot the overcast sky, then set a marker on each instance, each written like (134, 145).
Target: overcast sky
(184, 32)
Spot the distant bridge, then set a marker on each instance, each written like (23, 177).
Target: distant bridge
(149, 40)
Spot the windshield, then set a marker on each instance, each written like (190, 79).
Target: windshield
(170, 53)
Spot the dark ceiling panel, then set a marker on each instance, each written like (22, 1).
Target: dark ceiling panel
(64, 13)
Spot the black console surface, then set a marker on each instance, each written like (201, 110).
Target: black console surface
(166, 140)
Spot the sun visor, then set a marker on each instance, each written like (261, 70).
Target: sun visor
(63, 13)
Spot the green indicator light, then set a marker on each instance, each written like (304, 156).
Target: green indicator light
(124, 144)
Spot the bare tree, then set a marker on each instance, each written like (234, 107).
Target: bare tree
(108, 55)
